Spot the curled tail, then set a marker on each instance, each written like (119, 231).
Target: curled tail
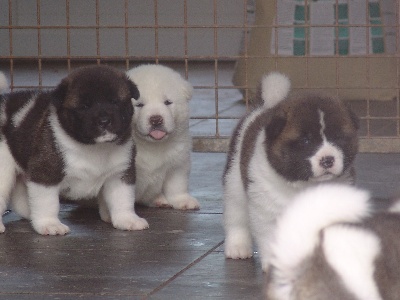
(274, 88)
(297, 231)
(3, 83)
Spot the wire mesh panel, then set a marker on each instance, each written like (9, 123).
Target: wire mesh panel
(348, 48)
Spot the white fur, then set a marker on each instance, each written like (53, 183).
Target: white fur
(395, 207)
(274, 88)
(163, 165)
(7, 178)
(238, 242)
(44, 207)
(351, 252)
(116, 196)
(263, 211)
(299, 226)
(326, 149)
(3, 83)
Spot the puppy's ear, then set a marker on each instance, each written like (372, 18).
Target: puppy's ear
(354, 118)
(187, 90)
(275, 127)
(134, 91)
(60, 92)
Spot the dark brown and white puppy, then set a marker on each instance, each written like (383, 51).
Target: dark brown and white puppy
(328, 245)
(73, 141)
(289, 143)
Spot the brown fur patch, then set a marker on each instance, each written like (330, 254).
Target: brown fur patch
(387, 265)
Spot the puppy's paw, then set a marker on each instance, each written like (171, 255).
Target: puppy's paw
(238, 247)
(185, 202)
(104, 214)
(238, 252)
(129, 221)
(2, 227)
(161, 202)
(265, 265)
(50, 227)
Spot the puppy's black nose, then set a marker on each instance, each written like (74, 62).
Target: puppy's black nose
(327, 162)
(104, 121)
(156, 120)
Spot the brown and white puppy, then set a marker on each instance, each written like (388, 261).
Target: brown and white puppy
(328, 245)
(289, 143)
(74, 141)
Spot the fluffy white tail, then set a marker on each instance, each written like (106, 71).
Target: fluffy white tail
(274, 88)
(3, 83)
(298, 228)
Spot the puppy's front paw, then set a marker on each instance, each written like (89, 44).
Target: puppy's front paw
(50, 227)
(238, 251)
(2, 227)
(238, 247)
(129, 221)
(185, 202)
(161, 202)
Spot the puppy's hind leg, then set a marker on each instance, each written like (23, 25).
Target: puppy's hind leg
(7, 178)
(238, 241)
(119, 198)
(20, 199)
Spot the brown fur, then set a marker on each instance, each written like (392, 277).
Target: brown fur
(387, 272)
(293, 121)
(32, 143)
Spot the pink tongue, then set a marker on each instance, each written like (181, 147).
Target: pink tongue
(157, 134)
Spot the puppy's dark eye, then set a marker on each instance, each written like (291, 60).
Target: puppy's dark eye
(84, 106)
(167, 102)
(139, 105)
(306, 140)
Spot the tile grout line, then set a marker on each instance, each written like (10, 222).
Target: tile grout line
(197, 260)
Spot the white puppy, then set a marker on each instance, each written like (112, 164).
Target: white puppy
(161, 133)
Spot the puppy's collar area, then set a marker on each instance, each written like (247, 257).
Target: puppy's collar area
(107, 137)
(324, 177)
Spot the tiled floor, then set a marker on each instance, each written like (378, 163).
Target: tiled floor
(179, 257)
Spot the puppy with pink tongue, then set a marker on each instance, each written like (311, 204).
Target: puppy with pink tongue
(161, 134)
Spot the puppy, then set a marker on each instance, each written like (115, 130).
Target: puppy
(3, 83)
(329, 246)
(287, 144)
(74, 141)
(161, 134)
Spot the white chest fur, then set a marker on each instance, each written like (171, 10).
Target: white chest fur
(88, 167)
(155, 162)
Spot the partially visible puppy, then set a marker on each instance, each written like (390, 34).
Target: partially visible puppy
(329, 246)
(289, 143)
(73, 141)
(3, 83)
(161, 134)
